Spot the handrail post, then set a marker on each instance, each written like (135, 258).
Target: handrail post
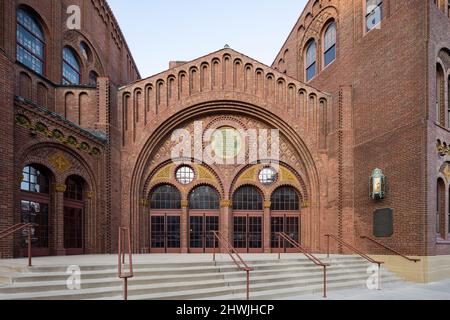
(379, 276)
(125, 289)
(324, 281)
(29, 248)
(214, 254)
(328, 246)
(248, 284)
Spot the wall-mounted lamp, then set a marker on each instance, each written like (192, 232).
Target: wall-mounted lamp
(377, 184)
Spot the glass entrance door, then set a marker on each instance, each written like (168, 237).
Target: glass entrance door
(248, 233)
(73, 231)
(201, 240)
(165, 233)
(288, 224)
(36, 212)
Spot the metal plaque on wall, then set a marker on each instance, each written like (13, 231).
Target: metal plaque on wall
(383, 223)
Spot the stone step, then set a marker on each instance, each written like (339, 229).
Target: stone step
(152, 280)
(200, 272)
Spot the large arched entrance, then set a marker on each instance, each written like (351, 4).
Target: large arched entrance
(165, 219)
(35, 207)
(204, 217)
(74, 216)
(285, 218)
(248, 220)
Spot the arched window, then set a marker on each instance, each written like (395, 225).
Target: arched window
(374, 13)
(93, 78)
(30, 41)
(440, 95)
(35, 180)
(285, 199)
(311, 60)
(204, 198)
(329, 45)
(74, 189)
(71, 67)
(165, 197)
(247, 198)
(440, 208)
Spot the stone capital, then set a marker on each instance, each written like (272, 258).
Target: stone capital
(226, 204)
(60, 188)
(267, 204)
(184, 203)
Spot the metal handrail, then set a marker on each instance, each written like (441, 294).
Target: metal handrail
(125, 238)
(309, 255)
(19, 227)
(240, 263)
(358, 252)
(390, 249)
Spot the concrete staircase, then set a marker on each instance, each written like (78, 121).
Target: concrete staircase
(271, 279)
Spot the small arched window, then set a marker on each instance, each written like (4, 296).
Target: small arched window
(311, 60)
(165, 197)
(35, 179)
(329, 46)
(285, 199)
(71, 67)
(30, 41)
(247, 198)
(204, 198)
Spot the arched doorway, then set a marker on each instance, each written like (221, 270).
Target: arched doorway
(35, 207)
(248, 220)
(204, 212)
(165, 220)
(74, 220)
(285, 217)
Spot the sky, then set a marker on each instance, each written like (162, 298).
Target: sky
(159, 31)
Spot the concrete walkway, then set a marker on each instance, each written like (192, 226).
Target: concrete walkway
(405, 291)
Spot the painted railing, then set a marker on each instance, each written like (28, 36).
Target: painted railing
(19, 227)
(390, 249)
(231, 251)
(124, 248)
(285, 238)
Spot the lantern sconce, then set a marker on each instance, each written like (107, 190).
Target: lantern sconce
(377, 184)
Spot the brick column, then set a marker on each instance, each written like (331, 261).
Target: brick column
(184, 226)
(226, 217)
(266, 227)
(58, 220)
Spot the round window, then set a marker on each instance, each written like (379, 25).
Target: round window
(267, 176)
(185, 175)
(226, 142)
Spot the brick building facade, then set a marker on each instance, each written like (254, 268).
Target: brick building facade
(87, 145)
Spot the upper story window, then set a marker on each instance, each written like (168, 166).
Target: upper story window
(165, 197)
(71, 67)
(374, 13)
(329, 46)
(30, 42)
(247, 198)
(35, 180)
(311, 60)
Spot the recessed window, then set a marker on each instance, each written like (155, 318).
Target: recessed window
(285, 199)
(204, 198)
(185, 175)
(35, 180)
(74, 189)
(165, 197)
(71, 67)
(247, 198)
(30, 42)
(374, 13)
(329, 53)
(267, 176)
(311, 60)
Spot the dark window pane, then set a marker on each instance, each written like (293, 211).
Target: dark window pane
(165, 197)
(204, 198)
(247, 198)
(285, 199)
